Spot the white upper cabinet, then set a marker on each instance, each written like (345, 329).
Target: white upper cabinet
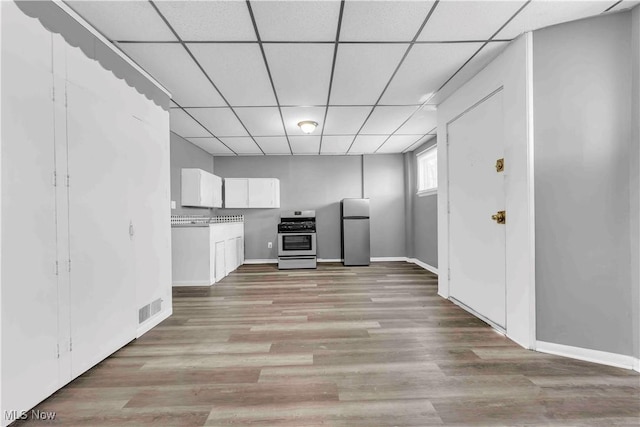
(252, 193)
(201, 189)
(236, 193)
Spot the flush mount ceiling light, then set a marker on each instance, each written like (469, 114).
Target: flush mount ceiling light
(307, 126)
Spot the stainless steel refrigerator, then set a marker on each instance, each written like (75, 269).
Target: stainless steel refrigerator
(356, 237)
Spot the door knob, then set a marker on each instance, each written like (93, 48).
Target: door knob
(500, 217)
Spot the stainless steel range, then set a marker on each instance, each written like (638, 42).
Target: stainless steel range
(297, 240)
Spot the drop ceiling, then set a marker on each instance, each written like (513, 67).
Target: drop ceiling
(244, 73)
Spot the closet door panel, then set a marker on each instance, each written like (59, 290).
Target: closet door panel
(29, 282)
(102, 278)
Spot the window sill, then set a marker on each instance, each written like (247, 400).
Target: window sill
(427, 192)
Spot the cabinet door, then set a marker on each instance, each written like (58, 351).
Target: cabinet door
(207, 189)
(236, 193)
(261, 193)
(102, 278)
(220, 260)
(29, 282)
(240, 251)
(217, 191)
(231, 254)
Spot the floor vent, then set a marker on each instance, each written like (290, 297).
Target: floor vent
(149, 310)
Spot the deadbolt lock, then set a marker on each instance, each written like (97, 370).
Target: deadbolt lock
(500, 217)
(500, 165)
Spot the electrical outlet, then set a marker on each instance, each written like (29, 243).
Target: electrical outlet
(173, 204)
(269, 245)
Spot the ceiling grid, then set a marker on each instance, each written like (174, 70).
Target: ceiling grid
(244, 72)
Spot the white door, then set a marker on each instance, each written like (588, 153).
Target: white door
(148, 188)
(476, 192)
(102, 277)
(29, 282)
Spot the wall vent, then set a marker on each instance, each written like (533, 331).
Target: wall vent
(149, 310)
(156, 306)
(144, 313)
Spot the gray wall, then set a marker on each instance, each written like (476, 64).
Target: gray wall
(582, 106)
(634, 198)
(319, 183)
(422, 214)
(384, 185)
(186, 155)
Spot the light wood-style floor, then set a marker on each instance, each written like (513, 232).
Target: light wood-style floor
(336, 346)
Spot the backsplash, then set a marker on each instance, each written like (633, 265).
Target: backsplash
(201, 219)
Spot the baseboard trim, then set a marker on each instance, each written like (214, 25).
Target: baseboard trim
(261, 261)
(388, 258)
(329, 260)
(153, 322)
(190, 283)
(424, 265)
(588, 355)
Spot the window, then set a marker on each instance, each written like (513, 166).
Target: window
(428, 171)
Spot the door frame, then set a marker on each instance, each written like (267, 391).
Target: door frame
(510, 72)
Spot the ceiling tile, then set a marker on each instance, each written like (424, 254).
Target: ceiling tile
(209, 20)
(297, 20)
(468, 20)
(398, 143)
(305, 144)
(242, 145)
(362, 71)
(367, 144)
(238, 71)
(425, 69)
(336, 144)
(261, 121)
(488, 53)
(423, 121)
(219, 121)
(185, 126)
(210, 145)
(124, 20)
(539, 14)
(382, 20)
(294, 115)
(300, 72)
(172, 66)
(273, 144)
(385, 120)
(345, 120)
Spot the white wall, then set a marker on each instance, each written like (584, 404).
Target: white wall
(511, 71)
(66, 116)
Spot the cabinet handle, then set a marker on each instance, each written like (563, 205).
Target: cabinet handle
(131, 231)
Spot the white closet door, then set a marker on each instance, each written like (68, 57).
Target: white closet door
(102, 279)
(149, 204)
(29, 282)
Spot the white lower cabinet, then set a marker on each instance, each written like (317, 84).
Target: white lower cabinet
(204, 255)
